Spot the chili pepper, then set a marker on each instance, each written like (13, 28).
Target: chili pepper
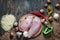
(39, 14)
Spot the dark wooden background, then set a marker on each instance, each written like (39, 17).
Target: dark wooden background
(22, 7)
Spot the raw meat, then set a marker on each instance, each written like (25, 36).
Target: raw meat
(34, 27)
(31, 24)
(25, 25)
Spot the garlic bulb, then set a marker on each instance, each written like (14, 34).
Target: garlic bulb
(56, 16)
(19, 34)
(25, 34)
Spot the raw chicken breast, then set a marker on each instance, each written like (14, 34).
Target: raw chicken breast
(25, 25)
(34, 27)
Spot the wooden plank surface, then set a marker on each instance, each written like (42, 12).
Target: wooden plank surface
(22, 7)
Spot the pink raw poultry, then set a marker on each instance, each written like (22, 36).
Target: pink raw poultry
(34, 27)
(30, 23)
(25, 25)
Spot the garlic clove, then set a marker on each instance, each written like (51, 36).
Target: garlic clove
(43, 20)
(25, 34)
(19, 34)
(46, 5)
(57, 5)
(48, 1)
(56, 16)
(15, 24)
(50, 18)
(16, 29)
(42, 10)
(12, 34)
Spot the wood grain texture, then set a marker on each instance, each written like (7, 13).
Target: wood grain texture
(22, 7)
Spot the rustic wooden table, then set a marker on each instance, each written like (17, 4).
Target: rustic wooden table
(22, 7)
